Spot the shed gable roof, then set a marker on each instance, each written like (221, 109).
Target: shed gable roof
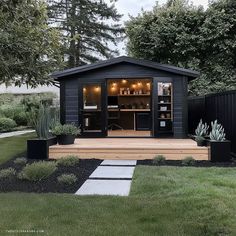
(145, 63)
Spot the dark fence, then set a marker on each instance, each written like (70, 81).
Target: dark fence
(220, 106)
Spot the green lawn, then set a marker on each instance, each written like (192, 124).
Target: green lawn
(163, 201)
(13, 146)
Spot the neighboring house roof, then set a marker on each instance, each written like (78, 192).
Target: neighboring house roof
(146, 63)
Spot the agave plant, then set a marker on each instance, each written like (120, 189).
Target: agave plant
(217, 131)
(202, 129)
(41, 122)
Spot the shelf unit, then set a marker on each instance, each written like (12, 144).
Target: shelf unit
(133, 95)
(165, 117)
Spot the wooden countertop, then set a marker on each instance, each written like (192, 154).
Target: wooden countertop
(129, 110)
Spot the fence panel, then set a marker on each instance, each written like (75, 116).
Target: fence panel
(220, 106)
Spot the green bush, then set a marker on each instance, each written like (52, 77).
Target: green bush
(33, 101)
(20, 161)
(188, 161)
(21, 118)
(10, 111)
(159, 159)
(38, 170)
(7, 173)
(7, 124)
(67, 179)
(67, 129)
(6, 98)
(7, 111)
(68, 161)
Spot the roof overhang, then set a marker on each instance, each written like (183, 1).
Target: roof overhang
(191, 74)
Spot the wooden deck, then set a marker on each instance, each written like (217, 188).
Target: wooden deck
(131, 148)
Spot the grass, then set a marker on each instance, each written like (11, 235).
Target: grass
(163, 201)
(13, 146)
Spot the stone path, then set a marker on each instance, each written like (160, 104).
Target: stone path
(112, 177)
(15, 133)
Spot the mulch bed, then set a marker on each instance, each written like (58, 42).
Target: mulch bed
(82, 171)
(196, 164)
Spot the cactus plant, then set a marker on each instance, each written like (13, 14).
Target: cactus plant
(202, 129)
(217, 131)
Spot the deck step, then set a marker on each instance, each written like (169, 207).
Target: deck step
(130, 153)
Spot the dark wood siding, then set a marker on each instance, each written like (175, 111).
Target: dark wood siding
(71, 101)
(180, 107)
(62, 102)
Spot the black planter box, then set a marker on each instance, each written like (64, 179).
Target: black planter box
(220, 151)
(39, 148)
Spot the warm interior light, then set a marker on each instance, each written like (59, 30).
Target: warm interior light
(84, 89)
(139, 84)
(113, 88)
(97, 89)
(114, 84)
(134, 85)
(148, 84)
(124, 81)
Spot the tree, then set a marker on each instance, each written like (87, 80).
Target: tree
(87, 27)
(187, 36)
(29, 49)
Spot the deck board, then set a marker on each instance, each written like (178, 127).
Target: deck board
(131, 148)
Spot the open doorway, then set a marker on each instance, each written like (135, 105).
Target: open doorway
(129, 107)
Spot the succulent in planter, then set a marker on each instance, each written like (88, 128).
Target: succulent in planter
(39, 148)
(219, 147)
(217, 132)
(201, 132)
(65, 133)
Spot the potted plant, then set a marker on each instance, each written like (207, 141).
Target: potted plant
(39, 148)
(65, 133)
(200, 133)
(219, 147)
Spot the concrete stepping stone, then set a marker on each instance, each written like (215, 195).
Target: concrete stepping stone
(116, 172)
(119, 162)
(105, 187)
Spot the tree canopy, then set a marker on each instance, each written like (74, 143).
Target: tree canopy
(88, 27)
(29, 48)
(183, 35)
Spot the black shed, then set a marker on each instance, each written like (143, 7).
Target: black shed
(124, 97)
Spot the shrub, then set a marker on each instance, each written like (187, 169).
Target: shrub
(188, 161)
(20, 161)
(7, 124)
(7, 173)
(10, 111)
(33, 101)
(67, 179)
(67, 129)
(6, 98)
(68, 161)
(159, 159)
(21, 118)
(38, 170)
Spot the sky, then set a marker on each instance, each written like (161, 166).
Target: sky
(125, 7)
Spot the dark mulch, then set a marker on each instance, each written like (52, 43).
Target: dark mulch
(81, 170)
(196, 164)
